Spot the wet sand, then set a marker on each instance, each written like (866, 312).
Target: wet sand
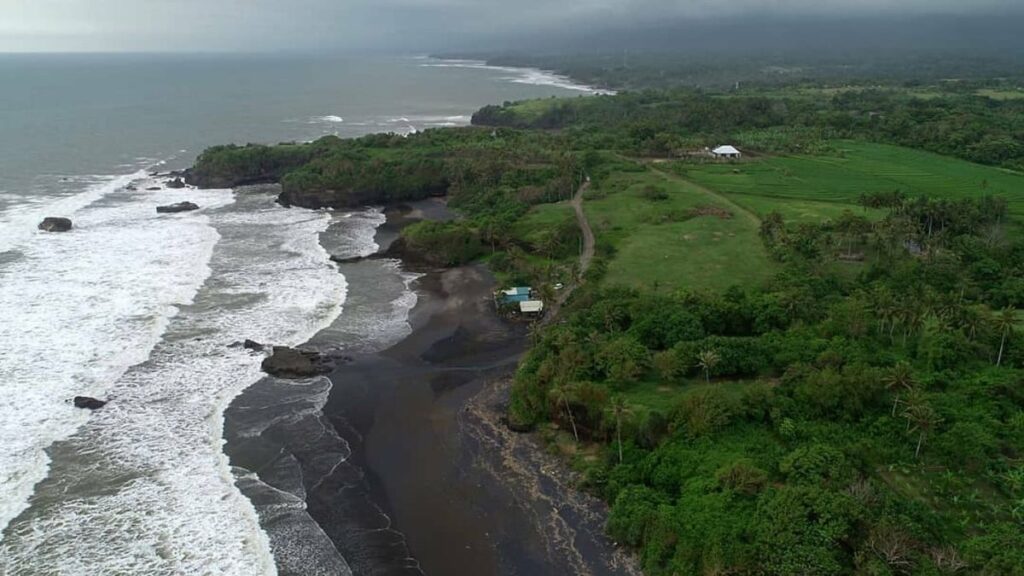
(434, 483)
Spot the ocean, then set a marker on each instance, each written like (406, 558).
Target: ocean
(146, 310)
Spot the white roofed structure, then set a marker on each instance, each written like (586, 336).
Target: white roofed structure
(531, 307)
(726, 152)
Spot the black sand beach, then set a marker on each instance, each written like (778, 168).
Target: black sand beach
(431, 481)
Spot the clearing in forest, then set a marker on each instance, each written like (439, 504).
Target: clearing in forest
(670, 234)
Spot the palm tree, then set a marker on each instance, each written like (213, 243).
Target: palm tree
(1005, 323)
(706, 361)
(899, 378)
(920, 417)
(973, 322)
(562, 393)
(619, 408)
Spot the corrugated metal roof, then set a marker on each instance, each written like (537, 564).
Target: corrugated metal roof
(515, 297)
(725, 150)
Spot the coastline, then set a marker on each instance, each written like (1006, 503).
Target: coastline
(429, 480)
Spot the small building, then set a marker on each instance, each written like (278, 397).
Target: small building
(531, 307)
(726, 152)
(513, 295)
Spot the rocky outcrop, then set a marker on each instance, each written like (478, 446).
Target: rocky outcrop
(55, 224)
(313, 199)
(179, 207)
(355, 259)
(88, 403)
(252, 345)
(287, 362)
(176, 183)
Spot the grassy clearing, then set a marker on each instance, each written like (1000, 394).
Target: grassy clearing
(1002, 94)
(660, 245)
(662, 397)
(789, 183)
(541, 218)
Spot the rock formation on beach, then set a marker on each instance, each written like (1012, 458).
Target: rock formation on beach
(179, 207)
(55, 224)
(176, 183)
(287, 362)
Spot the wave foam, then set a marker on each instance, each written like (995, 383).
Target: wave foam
(82, 307)
(532, 76)
(19, 222)
(330, 119)
(144, 486)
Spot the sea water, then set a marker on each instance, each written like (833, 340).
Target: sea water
(145, 310)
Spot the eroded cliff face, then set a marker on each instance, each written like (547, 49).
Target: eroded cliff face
(352, 197)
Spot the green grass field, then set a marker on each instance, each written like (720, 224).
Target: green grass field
(708, 252)
(804, 187)
(540, 219)
(702, 252)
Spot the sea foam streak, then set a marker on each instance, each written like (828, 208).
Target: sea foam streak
(532, 76)
(144, 486)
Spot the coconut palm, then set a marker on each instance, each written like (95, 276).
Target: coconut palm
(921, 417)
(973, 322)
(618, 409)
(561, 392)
(1005, 323)
(706, 361)
(899, 378)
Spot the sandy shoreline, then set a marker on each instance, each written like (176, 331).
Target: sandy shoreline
(433, 482)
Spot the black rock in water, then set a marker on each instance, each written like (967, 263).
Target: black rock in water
(348, 259)
(130, 188)
(89, 403)
(291, 363)
(176, 183)
(55, 224)
(154, 188)
(252, 345)
(179, 207)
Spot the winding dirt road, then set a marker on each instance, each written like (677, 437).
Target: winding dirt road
(586, 254)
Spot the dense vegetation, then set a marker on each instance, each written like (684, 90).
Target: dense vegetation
(805, 362)
(662, 123)
(493, 177)
(824, 423)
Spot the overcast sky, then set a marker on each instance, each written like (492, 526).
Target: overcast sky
(403, 25)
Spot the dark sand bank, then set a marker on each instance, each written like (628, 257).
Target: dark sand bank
(408, 469)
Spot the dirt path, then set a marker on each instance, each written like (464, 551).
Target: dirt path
(588, 235)
(586, 254)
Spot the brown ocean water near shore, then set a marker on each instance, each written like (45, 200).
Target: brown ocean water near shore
(420, 476)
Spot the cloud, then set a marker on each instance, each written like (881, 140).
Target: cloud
(274, 25)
